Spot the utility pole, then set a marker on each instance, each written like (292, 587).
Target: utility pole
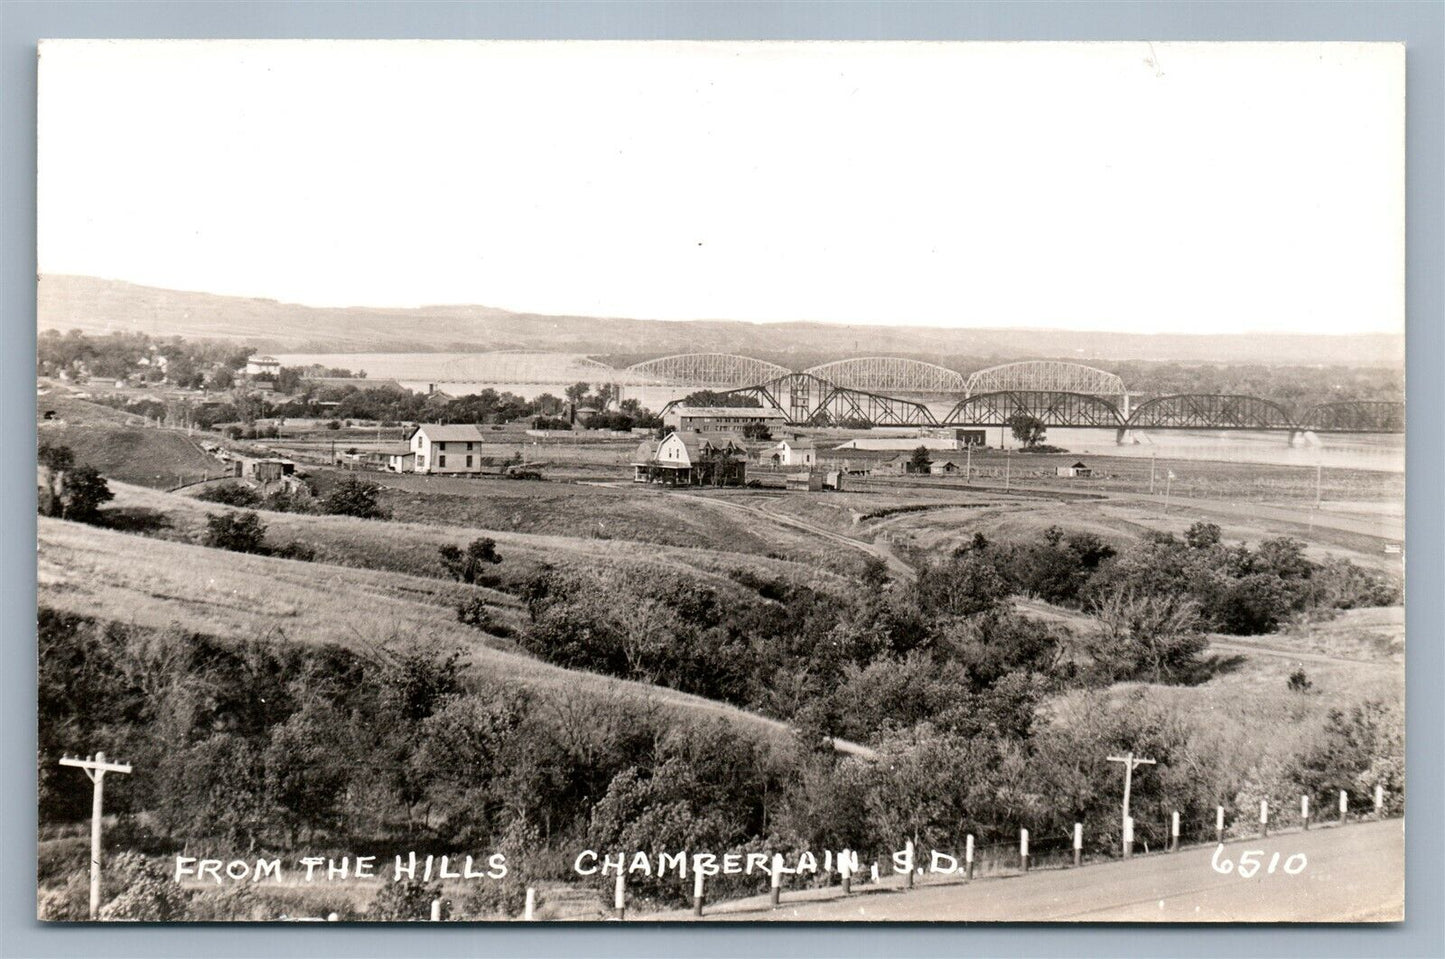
(1006, 461)
(1152, 455)
(1319, 483)
(968, 470)
(1130, 764)
(95, 769)
(1168, 482)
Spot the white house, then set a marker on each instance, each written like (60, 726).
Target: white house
(453, 450)
(797, 452)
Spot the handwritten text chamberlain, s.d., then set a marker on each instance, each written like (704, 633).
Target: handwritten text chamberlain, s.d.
(327, 869)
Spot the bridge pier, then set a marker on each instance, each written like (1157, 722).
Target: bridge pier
(1124, 436)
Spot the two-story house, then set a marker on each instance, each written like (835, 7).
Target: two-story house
(450, 450)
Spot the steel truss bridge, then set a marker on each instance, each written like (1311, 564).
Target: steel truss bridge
(864, 391)
(807, 400)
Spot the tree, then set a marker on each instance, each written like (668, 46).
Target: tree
(353, 496)
(239, 532)
(68, 491)
(466, 567)
(757, 431)
(920, 461)
(577, 392)
(1028, 430)
(221, 379)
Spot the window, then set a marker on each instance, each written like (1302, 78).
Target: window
(469, 460)
(441, 446)
(441, 461)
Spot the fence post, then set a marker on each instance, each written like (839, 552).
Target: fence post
(1304, 811)
(436, 910)
(1344, 807)
(845, 869)
(697, 879)
(1379, 801)
(873, 874)
(1264, 817)
(908, 856)
(1023, 850)
(968, 856)
(529, 911)
(1128, 837)
(619, 895)
(775, 881)
(1219, 824)
(1078, 844)
(1174, 832)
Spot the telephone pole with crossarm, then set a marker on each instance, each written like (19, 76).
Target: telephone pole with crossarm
(95, 769)
(1130, 764)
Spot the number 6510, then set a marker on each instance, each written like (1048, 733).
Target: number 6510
(1252, 860)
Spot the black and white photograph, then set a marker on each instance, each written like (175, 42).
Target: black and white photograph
(690, 482)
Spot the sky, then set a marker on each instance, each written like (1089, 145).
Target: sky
(1132, 187)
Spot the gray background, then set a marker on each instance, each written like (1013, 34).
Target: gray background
(1421, 25)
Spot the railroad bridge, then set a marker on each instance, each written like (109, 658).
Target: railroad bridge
(893, 391)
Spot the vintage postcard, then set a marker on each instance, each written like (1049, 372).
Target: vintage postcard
(683, 482)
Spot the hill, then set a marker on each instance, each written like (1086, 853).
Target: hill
(103, 574)
(98, 305)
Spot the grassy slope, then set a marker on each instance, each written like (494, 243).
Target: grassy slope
(120, 445)
(640, 514)
(412, 547)
(155, 583)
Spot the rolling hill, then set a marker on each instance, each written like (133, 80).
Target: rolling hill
(98, 305)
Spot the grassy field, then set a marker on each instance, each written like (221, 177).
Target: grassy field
(411, 548)
(116, 576)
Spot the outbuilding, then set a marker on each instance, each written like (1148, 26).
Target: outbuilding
(1078, 469)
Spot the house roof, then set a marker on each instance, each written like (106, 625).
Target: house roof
(801, 443)
(695, 441)
(759, 412)
(448, 433)
(1078, 466)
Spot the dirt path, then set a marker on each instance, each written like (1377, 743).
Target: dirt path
(900, 570)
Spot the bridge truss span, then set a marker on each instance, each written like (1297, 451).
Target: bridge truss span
(1052, 408)
(704, 370)
(876, 374)
(1359, 416)
(1210, 411)
(1049, 376)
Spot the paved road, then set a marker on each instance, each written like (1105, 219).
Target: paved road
(1355, 873)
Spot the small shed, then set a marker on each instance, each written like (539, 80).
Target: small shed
(805, 481)
(1078, 469)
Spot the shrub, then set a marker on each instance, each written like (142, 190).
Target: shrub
(145, 893)
(239, 532)
(296, 550)
(407, 899)
(230, 493)
(353, 497)
(1299, 682)
(467, 566)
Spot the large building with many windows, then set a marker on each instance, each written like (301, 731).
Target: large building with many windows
(722, 419)
(452, 450)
